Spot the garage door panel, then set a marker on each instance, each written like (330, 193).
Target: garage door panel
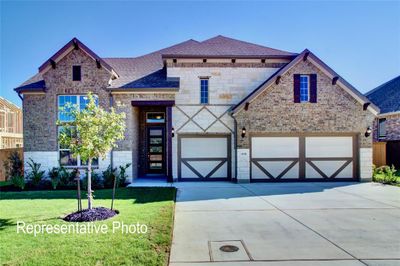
(329, 147)
(187, 172)
(275, 147)
(221, 172)
(329, 169)
(275, 169)
(204, 157)
(203, 147)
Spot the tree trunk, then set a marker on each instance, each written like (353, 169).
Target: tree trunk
(89, 183)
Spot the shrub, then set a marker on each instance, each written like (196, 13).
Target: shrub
(385, 175)
(67, 178)
(35, 175)
(18, 181)
(96, 180)
(54, 175)
(122, 174)
(108, 176)
(14, 166)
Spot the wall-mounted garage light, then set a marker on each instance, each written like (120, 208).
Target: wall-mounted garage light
(173, 132)
(368, 132)
(243, 132)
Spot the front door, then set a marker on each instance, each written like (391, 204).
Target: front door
(155, 150)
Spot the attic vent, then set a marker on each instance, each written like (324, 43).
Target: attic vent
(233, 60)
(263, 61)
(204, 60)
(174, 60)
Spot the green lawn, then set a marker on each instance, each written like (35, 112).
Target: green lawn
(150, 206)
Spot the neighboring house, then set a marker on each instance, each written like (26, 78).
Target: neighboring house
(10, 125)
(220, 109)
(387, 124)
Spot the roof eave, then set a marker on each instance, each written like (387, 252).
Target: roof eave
(172, 56)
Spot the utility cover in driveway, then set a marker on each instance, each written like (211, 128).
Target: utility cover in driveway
(218, 255)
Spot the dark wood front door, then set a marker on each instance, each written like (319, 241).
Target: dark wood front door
(155, 150)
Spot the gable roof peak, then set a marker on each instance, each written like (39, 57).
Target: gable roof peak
(75, 43)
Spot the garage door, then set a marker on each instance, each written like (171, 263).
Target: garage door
(303, 158)
(204, 157)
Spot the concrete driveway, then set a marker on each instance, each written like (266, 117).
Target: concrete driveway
(287, 224)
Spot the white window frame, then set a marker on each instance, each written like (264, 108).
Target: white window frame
(308, 88)
(78, 159)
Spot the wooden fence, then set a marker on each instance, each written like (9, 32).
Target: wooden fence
(379, 153)
(4, 153)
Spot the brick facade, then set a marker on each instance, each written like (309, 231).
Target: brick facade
(40, 111)
(274, 110)
(392, 126)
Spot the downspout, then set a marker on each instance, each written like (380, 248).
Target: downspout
(112, 149)
(19, 95)
(235, 145)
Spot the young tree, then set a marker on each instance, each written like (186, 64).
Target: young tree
(92, 133)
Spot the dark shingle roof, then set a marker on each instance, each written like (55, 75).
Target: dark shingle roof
(221, 46)
(35, 83)
(148, 71)
(386, 96)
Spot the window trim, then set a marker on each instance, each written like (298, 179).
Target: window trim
(78, 159)
(308, 88)
(208, 90)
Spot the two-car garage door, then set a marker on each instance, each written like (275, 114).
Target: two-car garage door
(303, 158)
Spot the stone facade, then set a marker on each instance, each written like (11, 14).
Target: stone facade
(226, 85)
(392, 126)
(40, 111)
(274, 110)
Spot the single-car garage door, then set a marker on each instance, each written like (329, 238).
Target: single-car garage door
(303, 158)
(204, 157)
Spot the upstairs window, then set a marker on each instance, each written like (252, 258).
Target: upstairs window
(304, 88)
(79, 100)
(382, 128)
(65, 155)
(204, 91)
(76, 73)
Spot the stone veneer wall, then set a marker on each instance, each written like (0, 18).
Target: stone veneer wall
(392, 127)
(227, 85)
(274, 110)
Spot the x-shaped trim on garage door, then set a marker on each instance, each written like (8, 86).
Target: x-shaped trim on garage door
(215, 169)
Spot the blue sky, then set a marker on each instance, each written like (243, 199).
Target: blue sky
(359, 40)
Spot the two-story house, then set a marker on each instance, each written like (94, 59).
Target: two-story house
(220, 109)
(10, 125)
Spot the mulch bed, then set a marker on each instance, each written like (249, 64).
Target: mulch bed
(95, 214)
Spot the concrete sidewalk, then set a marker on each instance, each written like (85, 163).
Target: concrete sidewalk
(287, 224)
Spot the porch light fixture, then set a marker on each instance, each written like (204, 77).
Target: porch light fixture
(368, 132)
(172, 132)
(243, 132)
